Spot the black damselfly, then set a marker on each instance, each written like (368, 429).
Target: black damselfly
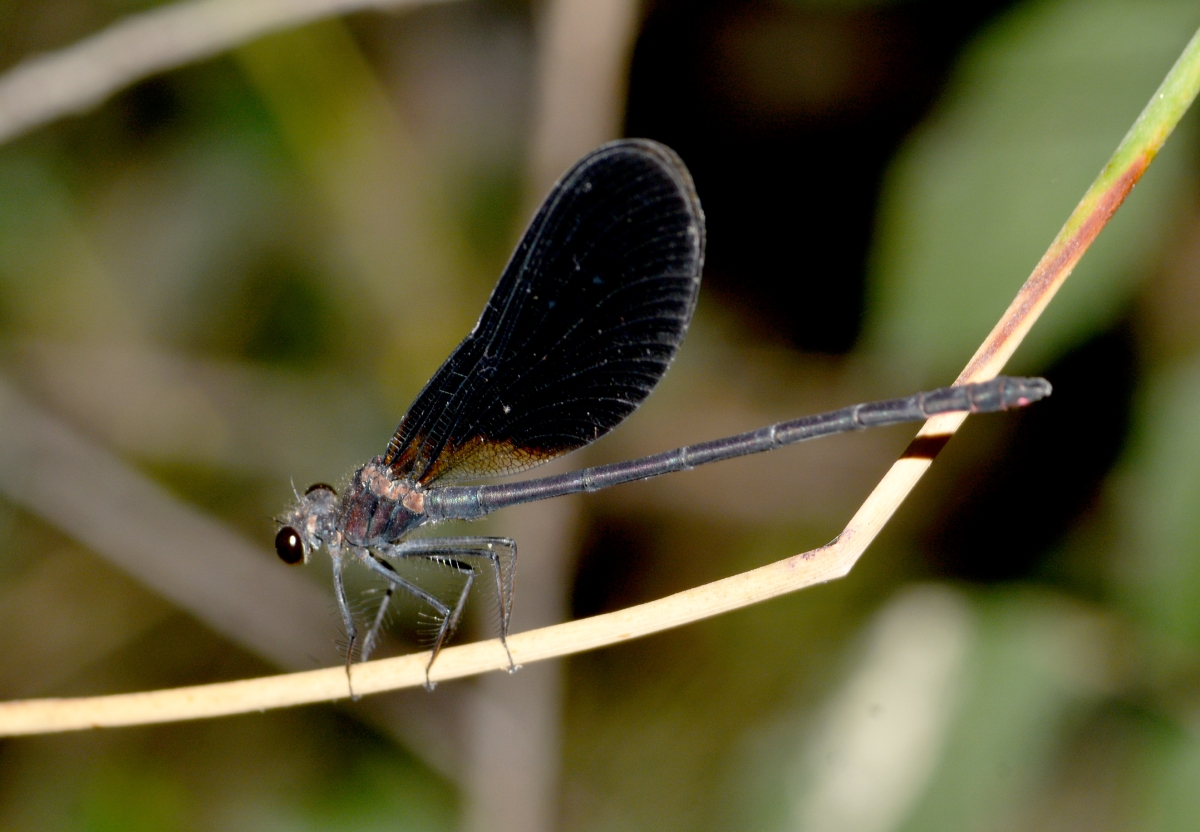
(585, 320)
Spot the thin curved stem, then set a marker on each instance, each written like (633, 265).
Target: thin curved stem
(1102, 199)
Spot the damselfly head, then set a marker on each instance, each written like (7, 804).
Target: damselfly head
(309, 524)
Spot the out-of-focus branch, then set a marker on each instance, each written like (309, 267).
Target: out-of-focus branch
(584, 49)
(101, 610)
(76, 78)
(193, 561)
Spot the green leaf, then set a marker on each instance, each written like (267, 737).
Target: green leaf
(1158, 558)
(1035, 108)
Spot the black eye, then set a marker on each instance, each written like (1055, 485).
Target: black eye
(288, 546)
(319, 485)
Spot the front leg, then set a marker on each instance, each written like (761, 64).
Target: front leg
(339, 591)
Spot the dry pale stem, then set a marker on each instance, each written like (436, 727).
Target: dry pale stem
(824, 564)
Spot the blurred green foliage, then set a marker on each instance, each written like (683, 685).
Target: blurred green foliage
(279, 313)
(300, 231)
(1036, 107)
(122, 799)
(1155, 571)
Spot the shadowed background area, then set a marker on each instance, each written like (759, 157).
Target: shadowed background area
(235, 275)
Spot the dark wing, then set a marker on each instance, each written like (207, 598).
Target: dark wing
(585, 320)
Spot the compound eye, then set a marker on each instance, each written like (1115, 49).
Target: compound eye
(319, 486)
(288, 546)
